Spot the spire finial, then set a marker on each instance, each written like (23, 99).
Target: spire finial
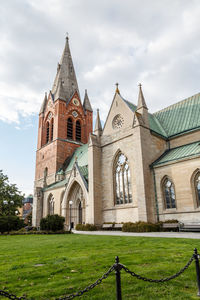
(140, 85)
(117, 89)
(67, 36)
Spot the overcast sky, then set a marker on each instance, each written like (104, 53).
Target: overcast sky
(153, 42)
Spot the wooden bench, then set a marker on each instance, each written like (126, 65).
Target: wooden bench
(171, 226)
(118, 226)
(107, 226)
(190, 226)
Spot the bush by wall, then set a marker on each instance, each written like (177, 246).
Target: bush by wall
(140, 227)
(86, 227)
(52, 223)
(9, 223)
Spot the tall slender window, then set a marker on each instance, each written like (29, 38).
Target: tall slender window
(197, 188)
(52, 130)
(69, 129)
(169, 194)
(122, 179)
(78, 131)
(51, 205)
(47, 133)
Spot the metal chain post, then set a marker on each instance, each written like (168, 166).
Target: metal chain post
(196, 257)
(118, 267)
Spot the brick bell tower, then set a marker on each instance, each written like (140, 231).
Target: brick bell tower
(64, 124)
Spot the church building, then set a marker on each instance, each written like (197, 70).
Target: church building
(141, 166)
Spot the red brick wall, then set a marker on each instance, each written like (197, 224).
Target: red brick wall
(52, 155)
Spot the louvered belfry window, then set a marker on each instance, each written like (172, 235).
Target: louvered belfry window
(122, 180)
(169, 194)
(52, 130)
(47, 133)
(78, 131)
(69, 129)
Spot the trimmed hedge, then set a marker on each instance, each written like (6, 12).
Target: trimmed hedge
(9, 223)
(86, 227)
(52, 223)
(140, 227)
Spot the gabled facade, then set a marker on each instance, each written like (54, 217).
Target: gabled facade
(139, 167)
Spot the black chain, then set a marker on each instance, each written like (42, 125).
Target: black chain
(159, 280)
(10, 296)
(90, 287)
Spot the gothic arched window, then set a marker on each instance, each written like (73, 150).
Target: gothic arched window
(69, 128)
(52, 130)
(78, 131)
(197, 188)
(169, 193)
(122, 180)
(47, 132)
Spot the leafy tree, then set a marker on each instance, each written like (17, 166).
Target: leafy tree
(10, 197)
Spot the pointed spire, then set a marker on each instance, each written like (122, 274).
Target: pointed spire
(141, 101)
(43, 104)
(117, 88)
(98, 127)
(60, 93)
(66, 74)
(86, 102)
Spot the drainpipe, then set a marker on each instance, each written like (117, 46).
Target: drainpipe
(155, 191)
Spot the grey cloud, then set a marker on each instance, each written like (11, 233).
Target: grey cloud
(156, 42)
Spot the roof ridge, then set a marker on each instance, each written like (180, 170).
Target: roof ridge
(177, 103)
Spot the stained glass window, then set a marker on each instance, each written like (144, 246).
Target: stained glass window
(122, 178)
(197, 188)
(169, 194)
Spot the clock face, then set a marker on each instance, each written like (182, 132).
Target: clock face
(118, 122)
(50, 115)
(75, 114)
(76, 102)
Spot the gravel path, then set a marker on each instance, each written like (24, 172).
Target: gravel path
(183, 235)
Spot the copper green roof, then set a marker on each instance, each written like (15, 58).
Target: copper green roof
(178, 153)
(81, 156)
(56, 185)
(180, 117)
(154, 124)
(175, 119)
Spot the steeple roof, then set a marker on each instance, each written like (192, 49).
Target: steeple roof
(65, 75)
(60, 93)
(86, 103)
(43, 104)
(141, 101)
(98, 127)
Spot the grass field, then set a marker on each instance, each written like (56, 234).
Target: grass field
(50, 266)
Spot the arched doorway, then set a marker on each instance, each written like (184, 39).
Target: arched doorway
(75, 205)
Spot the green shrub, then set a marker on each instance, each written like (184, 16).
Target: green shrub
(52, 223)
(9, 223)
(171, 221)
(140, 227)
(86, 227)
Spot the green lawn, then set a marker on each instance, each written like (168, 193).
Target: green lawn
(71, 262)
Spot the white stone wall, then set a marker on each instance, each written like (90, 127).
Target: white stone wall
(181, 174)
